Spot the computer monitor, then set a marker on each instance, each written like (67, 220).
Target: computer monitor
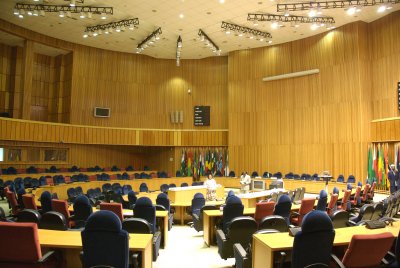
(258, 185)
(276, 184)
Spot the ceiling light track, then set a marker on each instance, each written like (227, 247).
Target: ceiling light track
(64, 8)
(209, 43)
(149, 40)
(290, 18)
(331, 4)
(244, 30)
(107, 28)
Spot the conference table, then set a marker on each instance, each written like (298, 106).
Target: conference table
(181, 198)
(70, 243)
(249, 200)
(265, 245)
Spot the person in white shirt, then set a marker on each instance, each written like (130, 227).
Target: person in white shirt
(245, 181)
(211, 186)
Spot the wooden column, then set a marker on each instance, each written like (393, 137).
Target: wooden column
(26, 79)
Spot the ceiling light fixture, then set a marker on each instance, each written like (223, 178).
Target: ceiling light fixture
(294, 21)
(228, 27)
(62, 9)
(209, 43)
(146, 42)
(118, 26)
(315, 8)
(178, 51)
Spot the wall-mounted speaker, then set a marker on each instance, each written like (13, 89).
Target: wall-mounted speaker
(172, 117)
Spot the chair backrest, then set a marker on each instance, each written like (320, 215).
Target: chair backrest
(356, 198)
(132, 198)
(29, 215)
(340, 218)
(307, 204)
(335, 190)
(241, 230)
(114, 207)
(24, 246)
(164, 187)
(205, 207)
(372, 190)
(351, 179)
(82, 210)
(45, 201)
(283, 206)
(106, 187)
(144, 209)
(345, 199)
(316, 230)
(356, 256)
(349, 186)
(296, 195)
(263, 209)
(322, 200)
(136, 225)
(365, 193)
(332, 203)
(366, 212)
(60, 206)
(234, 208)
(378, 211)
(340, 178)
(162, 199)
(143, 187)
(13, 202)
(29, 201)
(53, 220)
(198, 202)
(275, 222)
(104, 242)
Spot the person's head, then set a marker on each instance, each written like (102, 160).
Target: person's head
(392, 166)
(210, 176)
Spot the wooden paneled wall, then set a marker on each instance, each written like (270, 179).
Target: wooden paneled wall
(306, 124)
(85, 155)
(26, 130)
(142, 91)
(387, 130)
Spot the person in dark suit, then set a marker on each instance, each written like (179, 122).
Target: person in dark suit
(393, 178)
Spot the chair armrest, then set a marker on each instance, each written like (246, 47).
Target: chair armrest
(337, 262)
(197, 217)
(135, 257)
(282, 258)
(237, 247)
(156, 236)
(294, 214)
(220, 234)
(46, 256)
(351, 223)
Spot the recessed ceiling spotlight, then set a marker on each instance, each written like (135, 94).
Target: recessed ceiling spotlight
(381, 9)
(181, 16)
(221, 1)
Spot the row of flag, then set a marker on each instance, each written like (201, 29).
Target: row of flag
(200, 162)
(378, 164)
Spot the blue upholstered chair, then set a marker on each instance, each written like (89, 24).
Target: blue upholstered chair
(198, 202)
(335, 190)
(164, 188)
(322, 200)
(316, 230)
(240, 231)
(132, 199)
(143, 187)
(283, 206)
(351, 179)
(340, 178)
(104, 242)
(144, 209)
(82, 211)
(232, 209)
(163, 200)
(45, 200)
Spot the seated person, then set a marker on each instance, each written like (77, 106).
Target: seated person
(211, 186)
(245, 181)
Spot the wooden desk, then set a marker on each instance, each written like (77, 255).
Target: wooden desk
(209, 221)
(249, 200)
(71, 244)
(264, 245)
(153, 185)
(180, 208)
